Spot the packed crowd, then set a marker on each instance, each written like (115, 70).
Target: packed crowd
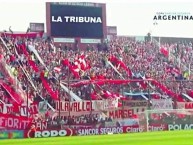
(83, 120)
(171, 118)
(57, 64)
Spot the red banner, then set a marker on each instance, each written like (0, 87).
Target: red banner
(83, 131)
(16, 96)
(49, 133)
(185, 105)
(108, 81)
(20, 109)
(9, 121)
(23, 34)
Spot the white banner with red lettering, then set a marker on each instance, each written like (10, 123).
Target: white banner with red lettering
(87, 106)
(19, 109)
(104, 108)
(161, 104)
(125, 112)
(185, 105)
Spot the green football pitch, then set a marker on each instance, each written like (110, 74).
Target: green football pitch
(151, 138)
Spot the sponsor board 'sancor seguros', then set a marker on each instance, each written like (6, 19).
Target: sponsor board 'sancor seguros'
(100, 131)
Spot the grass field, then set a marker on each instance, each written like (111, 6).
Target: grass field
(151, 138)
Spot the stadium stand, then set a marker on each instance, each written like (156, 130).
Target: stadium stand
(35, 69)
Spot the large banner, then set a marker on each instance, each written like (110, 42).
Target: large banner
(105, 108)
(161, 104)
(129, 109)
(9, 121)
(185, 105)
(131, 103)
(24, 34)
(76, 21)
(136, 106)
(21, 110)
(87, 106)
(49, 133)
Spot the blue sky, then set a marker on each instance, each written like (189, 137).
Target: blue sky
(132, 17)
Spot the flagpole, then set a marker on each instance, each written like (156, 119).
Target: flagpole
(69, 97)
(27, 99)
(59, 99)
(189, 69)
(169, 53)
(159, 42)
(149, 96)
(90, 87)
(179, 62)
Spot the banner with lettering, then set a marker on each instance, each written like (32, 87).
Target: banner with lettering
(104, 108)
(87, 106)
(19, 109)
(129, 109)
(10, 121)
(162, 104)
(185, 105)
(121, 113)
(132, 104)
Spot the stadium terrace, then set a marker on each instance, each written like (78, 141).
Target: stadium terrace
(173, 17)
(80, 78)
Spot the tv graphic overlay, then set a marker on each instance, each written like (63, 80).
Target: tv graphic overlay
(175, 16)
(76, 21)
